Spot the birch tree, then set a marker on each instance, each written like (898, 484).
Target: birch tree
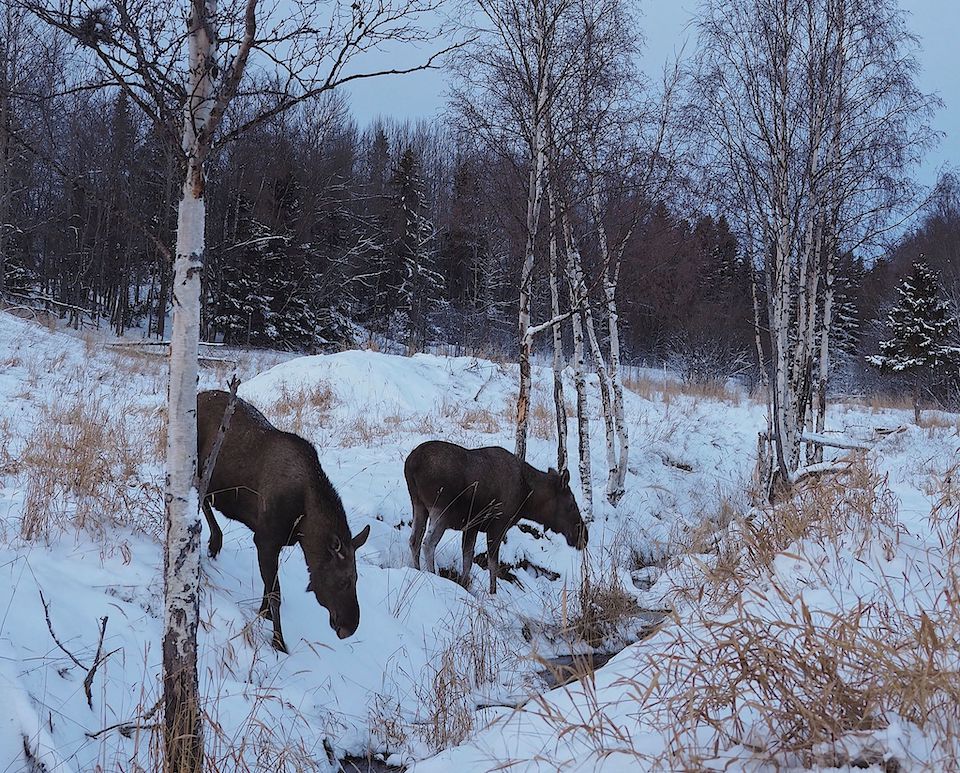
(511, 79)
(792, 94)
(187, 93)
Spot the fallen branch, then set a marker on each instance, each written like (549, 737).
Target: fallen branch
(884, 431)
(823, 468)
(97, 659)
(211, 460)
(832, 442)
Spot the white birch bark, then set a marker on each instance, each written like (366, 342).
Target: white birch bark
(579, 374)
(534, 203)
(617, 474)
(559, 401)
(183, 728)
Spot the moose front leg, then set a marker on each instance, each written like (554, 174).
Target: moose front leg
(494, 538)
(269, 558)
(216, 535)
(469, 543)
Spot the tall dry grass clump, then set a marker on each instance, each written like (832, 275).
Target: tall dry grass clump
(83, 466)
(802, 641)
(471, 660)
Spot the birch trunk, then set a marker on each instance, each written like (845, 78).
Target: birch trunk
(534, 196)
(577, 280)
(617, 474)
(559, 401)
(579, 380)
(183, 730)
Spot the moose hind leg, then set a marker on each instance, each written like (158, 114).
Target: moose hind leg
(420, 516)
(269, 558)
(216, 535)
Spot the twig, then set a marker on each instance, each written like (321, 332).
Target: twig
(46, 614)
(211, 459)
(127, 727)
(97, 660)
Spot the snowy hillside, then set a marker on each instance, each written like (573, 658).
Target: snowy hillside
(80, 478)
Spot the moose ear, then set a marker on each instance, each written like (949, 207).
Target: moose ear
(565, 478)
(336, 547)
(361, 538)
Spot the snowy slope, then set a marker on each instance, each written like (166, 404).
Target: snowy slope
(350, 694)
(382, 690)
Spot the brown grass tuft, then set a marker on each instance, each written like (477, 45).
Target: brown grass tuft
(81, 466)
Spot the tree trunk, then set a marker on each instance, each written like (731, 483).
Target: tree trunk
(183, 729)
(577, 280)
(617, 474)
(559, 401)
(579, 370)
(534, 193)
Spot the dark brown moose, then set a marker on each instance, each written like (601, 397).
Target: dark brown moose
(484, 489)
(272, 482)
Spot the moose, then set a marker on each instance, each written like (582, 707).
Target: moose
(271, 481)
(484, 489)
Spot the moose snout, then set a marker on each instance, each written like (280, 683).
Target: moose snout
(345, 626)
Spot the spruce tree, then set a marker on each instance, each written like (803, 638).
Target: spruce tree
(413, 283)
(920, 327)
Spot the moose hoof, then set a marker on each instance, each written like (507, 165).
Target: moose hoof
(213, 548)
(279, 644)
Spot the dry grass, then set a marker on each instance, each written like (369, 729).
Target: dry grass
(757, 672)
(471, 660)
(602, 605)
(298, 407)
(81, 468)
(665, 389)
(543, 420)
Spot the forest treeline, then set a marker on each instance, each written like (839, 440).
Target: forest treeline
(321, 231)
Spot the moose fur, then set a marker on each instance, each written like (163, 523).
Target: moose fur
(484, 489)
(271, 481)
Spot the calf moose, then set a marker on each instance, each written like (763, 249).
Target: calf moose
(272, 482)
(484, 489)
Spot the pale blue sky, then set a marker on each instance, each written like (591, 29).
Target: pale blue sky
(666, 28)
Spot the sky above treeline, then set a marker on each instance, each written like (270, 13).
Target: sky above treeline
(668, 30)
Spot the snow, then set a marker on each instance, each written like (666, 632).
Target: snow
(376, 692)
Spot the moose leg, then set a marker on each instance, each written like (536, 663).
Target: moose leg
(440, 524)
(269, 557)
(419, 527)
(494, 538)
(469, 543)
(216, 536)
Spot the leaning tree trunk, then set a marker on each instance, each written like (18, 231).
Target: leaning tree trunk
(577, 279)
(617, 474)
(183, 729)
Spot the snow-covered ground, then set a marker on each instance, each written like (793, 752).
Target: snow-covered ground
(427, 652)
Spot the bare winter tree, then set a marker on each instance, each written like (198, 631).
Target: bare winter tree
(810, 112)
(277, 57)
(510, 81)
